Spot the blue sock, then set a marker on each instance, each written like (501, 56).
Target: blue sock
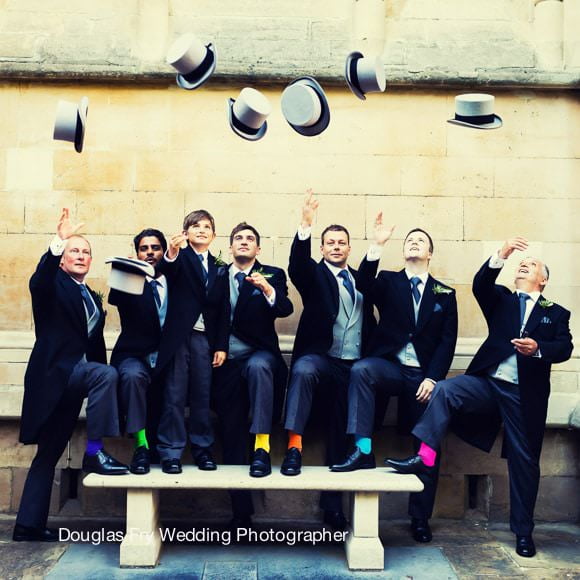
(93, 446)
(363, 443)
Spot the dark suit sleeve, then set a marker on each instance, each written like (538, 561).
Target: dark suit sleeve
(282, 306)
(443, 355)
(486, 291)
(559, 349)
(224, 311)
(42, 281)
(302, 267)
(170, 269)
(365, 279)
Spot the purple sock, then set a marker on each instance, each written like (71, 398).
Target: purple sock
(93, 446)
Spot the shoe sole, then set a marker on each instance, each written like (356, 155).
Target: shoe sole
(260, 473)
(290, 473)
(207, 468)
(355, 469)
(139, 472)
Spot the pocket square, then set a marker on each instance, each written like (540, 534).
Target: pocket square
(437, 308)
(256, 292)
(545, 320)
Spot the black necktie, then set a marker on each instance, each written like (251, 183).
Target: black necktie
(203, 270)
(347, 283)
(523, 299)
(415, 281)
(154, 284)
(240, 277)
(87, 300)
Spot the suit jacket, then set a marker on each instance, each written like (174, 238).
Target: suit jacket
(433, 336)
(140, 329)
(320, 298)
(548, 325)
(61, 342)
(188, 298)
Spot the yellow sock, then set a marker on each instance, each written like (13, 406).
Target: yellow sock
(262, 442)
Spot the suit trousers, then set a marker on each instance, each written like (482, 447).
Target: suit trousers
(97, 382)
(243, 385)
(329, 377)
(482, 395)
(134, 383)
(371, 375)
(188, 381)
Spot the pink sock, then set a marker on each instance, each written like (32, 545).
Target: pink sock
(427, 455)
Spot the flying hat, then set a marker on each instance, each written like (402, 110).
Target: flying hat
(305, 107)
(194, 62)
(70, 122)
(128, 274)
(364, 75)
(476, 110)
(247, 114)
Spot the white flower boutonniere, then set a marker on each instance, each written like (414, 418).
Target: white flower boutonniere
(545, 303)
(438, 289)
(219, 260)
(262, 273)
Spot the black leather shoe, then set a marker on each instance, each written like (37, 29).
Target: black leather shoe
(421, 531)
(413, 464)
(141, 461)
(171, 466)
(358, 460)
(292, 464)
(525, 546)
(205, 461)
(335, 519)
(260, 466)
(29, 534)
(103, 464)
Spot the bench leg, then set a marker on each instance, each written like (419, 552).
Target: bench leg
(364, 550)
(142, 543)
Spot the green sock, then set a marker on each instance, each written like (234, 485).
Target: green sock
(141, 439)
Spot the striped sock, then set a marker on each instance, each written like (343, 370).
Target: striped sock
(363, 443)
(262, 442)
(294, 440)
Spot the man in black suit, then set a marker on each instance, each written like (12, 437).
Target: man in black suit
(333, 329)
(194, 339)
(135, 352)
(508, 380)
(409, 351)
(67, 364)
(254, 374)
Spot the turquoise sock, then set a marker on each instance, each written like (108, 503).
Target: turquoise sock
(363, 443)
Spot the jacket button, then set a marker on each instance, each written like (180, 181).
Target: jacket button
(410, 335)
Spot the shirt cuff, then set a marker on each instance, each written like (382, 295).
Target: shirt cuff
(374, 253)
(271, 300)
(496, 262)
(537, 354)
(168, 259)
(57, 246)
(304, 233)
(432, 380)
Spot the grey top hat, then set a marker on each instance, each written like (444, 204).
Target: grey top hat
(305, 107)
(128, 274)
(364, 75)
(194, 62)
(70, 122)
(476, 110)
(247, 114)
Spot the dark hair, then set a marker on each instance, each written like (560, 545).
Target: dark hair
(334, 228)
(244, 226)
(423, 231)
(196, 216)
(150, 232)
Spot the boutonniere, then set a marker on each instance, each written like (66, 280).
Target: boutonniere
(545, 303)
(262, 273)
(219, 260)
(99, 297)
(438, 289)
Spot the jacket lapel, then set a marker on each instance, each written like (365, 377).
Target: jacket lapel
(247, 288)
(427, 303)
(212, 269)
(535, 316)
(404, 290)
(515, 321)
(331, 286)
(73, 301)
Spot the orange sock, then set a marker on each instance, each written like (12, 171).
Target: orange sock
(294, 440)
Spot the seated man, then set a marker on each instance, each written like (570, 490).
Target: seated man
(508, 380)
(135, 353)
(409, 351)
(67, 364)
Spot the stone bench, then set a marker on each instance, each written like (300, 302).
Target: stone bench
(364, 551)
